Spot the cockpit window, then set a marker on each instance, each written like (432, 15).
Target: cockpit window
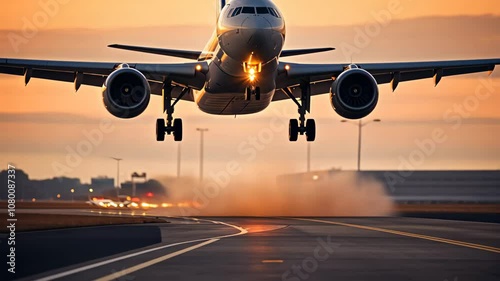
(274, 12)
(236, 12)
(229, 14)
(248, 10)
(262, 10)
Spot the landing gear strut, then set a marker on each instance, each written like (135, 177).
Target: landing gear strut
(302, 126)
(252, 91)
(170, 126)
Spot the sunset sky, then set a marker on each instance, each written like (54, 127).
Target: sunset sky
(40, 122)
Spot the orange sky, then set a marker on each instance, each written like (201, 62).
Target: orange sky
(42, 120)
(120, 13)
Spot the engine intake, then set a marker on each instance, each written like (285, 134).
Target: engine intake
(126, 92)
(354, 94)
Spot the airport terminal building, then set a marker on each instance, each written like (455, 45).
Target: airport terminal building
(418, 186)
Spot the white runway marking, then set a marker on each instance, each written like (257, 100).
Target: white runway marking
(204, 241)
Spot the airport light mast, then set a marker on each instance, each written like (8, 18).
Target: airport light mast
(360, 125)
(117, 174)
(202, 133)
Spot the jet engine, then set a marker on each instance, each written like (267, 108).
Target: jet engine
(354, 94)
(126, 92)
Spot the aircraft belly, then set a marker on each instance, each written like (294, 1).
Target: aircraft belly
(232, 104)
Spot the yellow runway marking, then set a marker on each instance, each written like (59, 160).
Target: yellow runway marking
(413, 235)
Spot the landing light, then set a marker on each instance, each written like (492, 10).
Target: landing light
(287, 67)
(198, 67)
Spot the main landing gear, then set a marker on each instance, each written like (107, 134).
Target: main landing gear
(169, 126)
(302, 126)
(252, 91)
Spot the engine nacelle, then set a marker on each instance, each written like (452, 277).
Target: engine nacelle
(354, 94)
(126, 92)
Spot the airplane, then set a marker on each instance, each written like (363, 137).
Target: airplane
(240, 71)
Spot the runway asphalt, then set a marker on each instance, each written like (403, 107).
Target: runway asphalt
(293, 249)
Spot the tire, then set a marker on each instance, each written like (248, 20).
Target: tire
(160, 130)
(293, 130)
(177, 129)
(248, 94)
(311, 130)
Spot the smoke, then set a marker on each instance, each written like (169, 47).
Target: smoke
(332, 193)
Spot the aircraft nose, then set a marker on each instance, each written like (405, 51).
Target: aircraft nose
(256, 37)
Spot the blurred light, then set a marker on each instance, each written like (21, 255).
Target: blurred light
(58, 196)
(134, 205)
(91, 190)
(121, 206)
(145, 205)
(136, 199)
(33, 200)
(287, 67)
(198, 67)
(149, 194)
(166, 205)
(129, 198)
(315, 177)
(72, 190)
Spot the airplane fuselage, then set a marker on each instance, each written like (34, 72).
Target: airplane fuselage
(246, 46)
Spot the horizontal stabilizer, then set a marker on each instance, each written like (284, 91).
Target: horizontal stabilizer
(194, 55)
(298, 52)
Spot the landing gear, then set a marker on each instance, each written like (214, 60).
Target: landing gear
(252, 91)
(171, 126)
(302, 126)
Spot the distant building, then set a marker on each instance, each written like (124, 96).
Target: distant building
(102, 184)
(417, 186)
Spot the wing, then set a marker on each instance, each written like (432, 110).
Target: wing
(95, 73)
(298, 52)
(193, 55)
(320, 76)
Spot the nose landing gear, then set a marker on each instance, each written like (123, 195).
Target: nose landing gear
(252, 91)
(302, 126)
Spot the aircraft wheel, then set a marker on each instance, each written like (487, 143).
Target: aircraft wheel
(160, 130)
(311, 130)
(257, 93)
(293, 130)
(177, 130)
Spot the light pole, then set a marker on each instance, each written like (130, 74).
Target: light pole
(202, 133)
(360, 125)
(178, 160)
(117, 175)
(72, 195)
(308, 157)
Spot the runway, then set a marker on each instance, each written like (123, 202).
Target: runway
(232, 248)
